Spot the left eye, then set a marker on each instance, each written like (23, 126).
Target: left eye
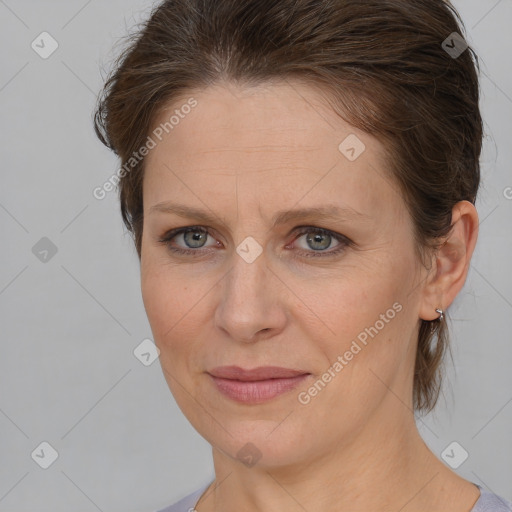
(318, 240)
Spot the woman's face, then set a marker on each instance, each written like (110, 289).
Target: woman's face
(254, 293)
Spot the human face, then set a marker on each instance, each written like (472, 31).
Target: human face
(243, 155)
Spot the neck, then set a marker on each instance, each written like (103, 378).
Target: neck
(381, 469)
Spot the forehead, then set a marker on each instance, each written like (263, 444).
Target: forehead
(283, 115)
(278, 142)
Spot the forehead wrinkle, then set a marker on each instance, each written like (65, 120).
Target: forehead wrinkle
(290, 170)
(261, 149)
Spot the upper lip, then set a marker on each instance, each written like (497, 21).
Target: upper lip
(260, 373)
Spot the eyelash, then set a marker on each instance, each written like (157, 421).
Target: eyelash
(344, 242)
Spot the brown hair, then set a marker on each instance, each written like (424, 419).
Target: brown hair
(383, 65)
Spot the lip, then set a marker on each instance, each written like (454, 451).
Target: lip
(260, 373)
(257, 385)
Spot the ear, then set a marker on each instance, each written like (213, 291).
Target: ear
(451, 262)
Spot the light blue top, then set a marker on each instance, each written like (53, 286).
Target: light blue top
(488, 502)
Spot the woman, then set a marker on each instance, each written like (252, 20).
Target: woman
(300, 179)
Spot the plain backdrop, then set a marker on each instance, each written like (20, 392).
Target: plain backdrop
(70, 303)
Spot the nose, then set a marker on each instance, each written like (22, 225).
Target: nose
(251, 305)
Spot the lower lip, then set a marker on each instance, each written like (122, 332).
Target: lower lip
(256, 392)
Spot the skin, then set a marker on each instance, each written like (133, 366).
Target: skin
(243, 154)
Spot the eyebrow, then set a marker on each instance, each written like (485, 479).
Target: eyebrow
(328, 213)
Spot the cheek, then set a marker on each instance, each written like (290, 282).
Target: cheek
(363, 362)
(172, 315)
(176, 306)
(370, 320)
(165, 301)
(362, 299)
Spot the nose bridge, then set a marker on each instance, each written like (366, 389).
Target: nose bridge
(246, 283)
(248, 299)
(249, 257)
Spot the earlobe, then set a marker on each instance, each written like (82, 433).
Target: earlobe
(451, 262)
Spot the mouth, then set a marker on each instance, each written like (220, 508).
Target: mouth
(257, 385)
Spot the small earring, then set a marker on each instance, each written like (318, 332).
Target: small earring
(441, 314)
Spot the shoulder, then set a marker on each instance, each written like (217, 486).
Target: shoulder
(489, 502)
(187, 503)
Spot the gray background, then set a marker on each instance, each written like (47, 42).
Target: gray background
(68, 375)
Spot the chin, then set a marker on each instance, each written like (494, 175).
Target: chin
(265, 443)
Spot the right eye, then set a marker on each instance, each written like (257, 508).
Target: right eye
(194, 238)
